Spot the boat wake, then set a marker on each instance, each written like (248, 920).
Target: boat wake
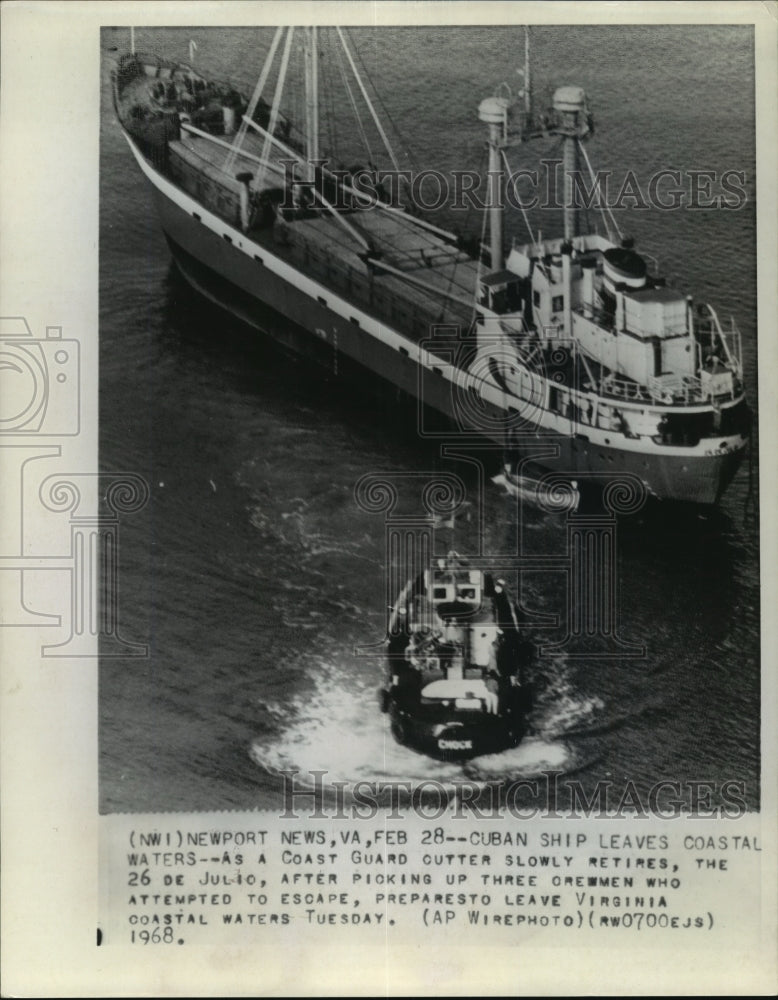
(327, 558)
(308, 533)
(336, 727)
(560, 708)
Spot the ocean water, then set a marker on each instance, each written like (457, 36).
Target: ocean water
(252, 573)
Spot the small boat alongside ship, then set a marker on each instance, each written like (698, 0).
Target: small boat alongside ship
(456, 682)
(576, 341)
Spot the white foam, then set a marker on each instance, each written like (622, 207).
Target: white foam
(336, 727)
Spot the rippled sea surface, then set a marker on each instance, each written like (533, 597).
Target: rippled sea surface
(252, 574)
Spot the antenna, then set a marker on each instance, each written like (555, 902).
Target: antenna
(527, 77)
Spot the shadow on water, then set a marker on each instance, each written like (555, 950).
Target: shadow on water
(199, 332)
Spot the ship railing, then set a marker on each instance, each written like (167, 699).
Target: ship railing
(675, 388)
(716, 341)
(623, 389)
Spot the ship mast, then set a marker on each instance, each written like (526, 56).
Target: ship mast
(527, 79)
(569, 118)
(570, 106)
(494, 112)
(311, 102)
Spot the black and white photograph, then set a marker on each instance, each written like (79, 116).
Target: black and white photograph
(414, 571)
(364, 391)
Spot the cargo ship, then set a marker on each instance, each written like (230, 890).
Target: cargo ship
(572, 352)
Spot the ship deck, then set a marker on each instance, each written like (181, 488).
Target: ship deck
(412, 277)
(438, 281)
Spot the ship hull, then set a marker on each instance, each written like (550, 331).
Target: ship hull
(275, 304)
(456, 740)
(700, 480)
